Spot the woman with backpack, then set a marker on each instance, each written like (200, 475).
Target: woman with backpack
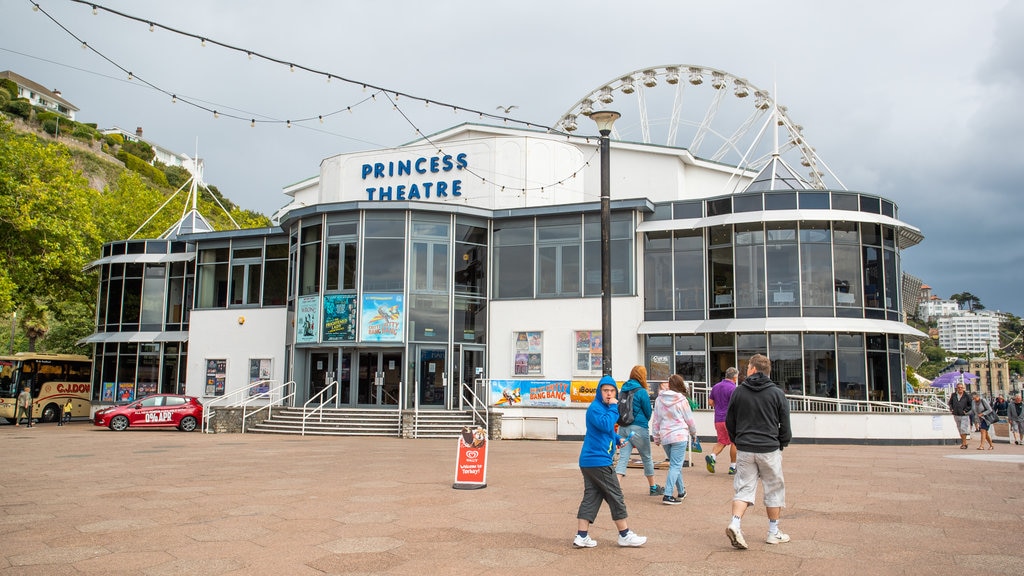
(634, 418)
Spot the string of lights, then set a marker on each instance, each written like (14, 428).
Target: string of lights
(387, 93)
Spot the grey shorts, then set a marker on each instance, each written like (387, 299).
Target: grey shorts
(1017, 426)
(751, 466)
(963, 424)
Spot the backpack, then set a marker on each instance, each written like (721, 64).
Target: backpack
(626, 407)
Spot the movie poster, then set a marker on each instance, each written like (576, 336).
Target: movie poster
(382, 318)
(216, 376)
(259, 376)
(307, 319)
(589, 349)
(107, 395)
(527, 350)
(126, 392)
(339, 318)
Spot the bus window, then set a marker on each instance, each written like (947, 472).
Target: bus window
(7, 380)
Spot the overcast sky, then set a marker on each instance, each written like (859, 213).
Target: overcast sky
(918, 102)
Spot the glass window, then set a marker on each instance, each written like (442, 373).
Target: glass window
(820, 365)
(658, 276)
(513, 258)
(429, 254)
(845, 201)
(688, 261)
(309, 260)
(383, 262)
(470, 320)
(720, 271)
(212, 278)
(690, 359)
(783, 269)
(787, 362)
(246, 276)
(816, 283)
(620, 254)
(684, 210)
(559, 257)
(470, 256)
(746, 346)
(870, 204)
(275, 276)
(428, 318)
(780, 201)
(750, 272)
(813, 200)
(153, 287)
(720, 206)
(748, 203)
(342, 254)
(852, 375)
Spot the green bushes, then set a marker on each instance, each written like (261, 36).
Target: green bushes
(5, 99)
(20, 108)
(136, 164)
(10, 87)
(114, 139)
(50, 126)
(139, 149)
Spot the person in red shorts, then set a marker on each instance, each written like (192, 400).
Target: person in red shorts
(718, 399)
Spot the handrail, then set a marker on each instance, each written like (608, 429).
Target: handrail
(320, 407)
(820, 404)
(477, 405)
(228, 399)
(269, 394)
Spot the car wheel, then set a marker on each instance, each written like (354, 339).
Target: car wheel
(50, 413)
(188, 424)
(119, 423)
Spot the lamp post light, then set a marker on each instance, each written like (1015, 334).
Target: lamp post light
(605, 119)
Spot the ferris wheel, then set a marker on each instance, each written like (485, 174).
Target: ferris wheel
(715, 115)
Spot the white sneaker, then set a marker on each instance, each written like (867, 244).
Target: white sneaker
(584, 541)
(736, 537)
(777, 538)
(632, 540)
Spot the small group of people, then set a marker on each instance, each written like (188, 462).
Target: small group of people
(751, 419)
(974, 407)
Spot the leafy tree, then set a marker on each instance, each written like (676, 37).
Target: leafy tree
(967, 301)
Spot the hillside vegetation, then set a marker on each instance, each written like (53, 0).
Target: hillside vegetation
(60, 200)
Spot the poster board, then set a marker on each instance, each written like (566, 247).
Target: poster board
(528, 353)
(471, 459)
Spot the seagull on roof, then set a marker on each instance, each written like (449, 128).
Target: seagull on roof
(507, 109)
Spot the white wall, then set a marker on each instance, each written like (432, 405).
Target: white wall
(899, 428)
(219, 334)
(558, 319)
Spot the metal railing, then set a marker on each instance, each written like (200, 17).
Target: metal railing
(477, 405)
(268, 395)
(318, 397)
(233, 399)
(819, 404)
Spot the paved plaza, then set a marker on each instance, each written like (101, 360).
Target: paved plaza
(83, 500)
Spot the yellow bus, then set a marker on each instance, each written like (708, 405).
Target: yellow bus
(52, 378)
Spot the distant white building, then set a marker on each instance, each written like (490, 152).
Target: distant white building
(40, 95)
(936, 307)
(164, 155)
(969, 332)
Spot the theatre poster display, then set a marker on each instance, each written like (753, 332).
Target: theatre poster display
(589, 349)
(527, 350)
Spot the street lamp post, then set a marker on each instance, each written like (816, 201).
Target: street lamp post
(605, 119)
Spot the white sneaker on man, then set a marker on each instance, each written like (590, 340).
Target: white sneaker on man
(584, 541)
(632, 540)
(777, 538)
(736, 537)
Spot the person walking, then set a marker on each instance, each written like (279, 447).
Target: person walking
(672, 427)
(1015, 417)
(960, 406)
(718, 399)
(982, 410)
(758, 423)
(638, 434)
(600, 484)
(24, 406)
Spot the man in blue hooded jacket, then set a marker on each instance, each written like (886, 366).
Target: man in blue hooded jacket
(600, 484)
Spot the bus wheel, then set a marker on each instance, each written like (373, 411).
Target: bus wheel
(50, 413)
(119, 423)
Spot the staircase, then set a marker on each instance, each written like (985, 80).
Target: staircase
(365, 422)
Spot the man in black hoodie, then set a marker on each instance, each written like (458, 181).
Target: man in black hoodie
(758, 423)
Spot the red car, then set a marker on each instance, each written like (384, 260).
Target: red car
(182, 412)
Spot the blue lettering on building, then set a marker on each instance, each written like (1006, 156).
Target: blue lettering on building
(440, 165)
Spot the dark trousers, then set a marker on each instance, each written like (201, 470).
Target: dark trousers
(600, 484)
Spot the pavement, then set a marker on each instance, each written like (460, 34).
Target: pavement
(83, 500)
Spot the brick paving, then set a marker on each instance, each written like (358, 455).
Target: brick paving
(81, 500)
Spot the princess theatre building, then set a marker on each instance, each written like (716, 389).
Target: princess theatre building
(466, 272)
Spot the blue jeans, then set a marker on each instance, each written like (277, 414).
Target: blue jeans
(642, 441)
(676, 454)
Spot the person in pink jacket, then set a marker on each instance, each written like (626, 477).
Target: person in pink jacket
(671, 427)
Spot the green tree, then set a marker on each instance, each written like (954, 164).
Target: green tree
(967, 301)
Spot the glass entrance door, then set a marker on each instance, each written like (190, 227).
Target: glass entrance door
(321, 373)
(378, 377)
(468, 366)
(432, 377)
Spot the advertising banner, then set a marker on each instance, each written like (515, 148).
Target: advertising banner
(541, 392)
(339, 318)
(471, 460)
(307, 319)
(382, 318)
